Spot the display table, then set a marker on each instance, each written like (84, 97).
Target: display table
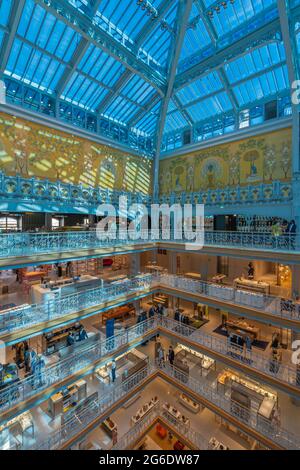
(144, 410)
(251, 285)
(244, 327)
(115, 279)
(32, 276)
(188, 403)
(119, 312)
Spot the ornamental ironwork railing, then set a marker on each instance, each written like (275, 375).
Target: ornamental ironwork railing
(17, 318)
(201, 386)
(23, 316)
(20, 189)
(158, 411)
(27, 244)
(91, 351)
(275, 192)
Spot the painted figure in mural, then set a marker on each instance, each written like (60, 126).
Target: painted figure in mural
(190, 179)
(269, 162)
(211, 173)
(234, 170)
(285, 159)
(252, 156)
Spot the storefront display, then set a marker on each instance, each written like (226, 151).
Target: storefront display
(69, 397)
(186, 359)
(127, 364)
(245, 391)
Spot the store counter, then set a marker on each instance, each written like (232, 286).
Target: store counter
(251, 285)
(62, 401)
(186, 359)
(41, 293)
(266, 399)
(127, 364)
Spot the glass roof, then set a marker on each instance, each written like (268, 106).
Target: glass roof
(114, 59)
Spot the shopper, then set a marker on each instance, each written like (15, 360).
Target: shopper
(151, 312)
(82, 334)
(161, 357)
(29, 359)
(251, 270)
(275, 341)
(171, 355)
(70, 339)
(159, 309)
(113, 371)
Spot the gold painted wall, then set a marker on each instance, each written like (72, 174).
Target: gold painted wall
(256, 160)
(34, 150)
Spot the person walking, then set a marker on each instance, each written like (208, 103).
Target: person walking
(113, 371)
(171, 355)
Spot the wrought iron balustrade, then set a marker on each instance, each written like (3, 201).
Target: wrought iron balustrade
(27, 243)
(90, 352)
(265, 193)
(158, 411)
(35, 190)
(201, 387)
(29, 315)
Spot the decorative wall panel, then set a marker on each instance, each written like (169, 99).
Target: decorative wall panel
(30, 149)
(262, 159)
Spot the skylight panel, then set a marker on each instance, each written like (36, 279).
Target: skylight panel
(5, 7)
(200, 88)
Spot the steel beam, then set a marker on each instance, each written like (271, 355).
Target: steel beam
(183, 15)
